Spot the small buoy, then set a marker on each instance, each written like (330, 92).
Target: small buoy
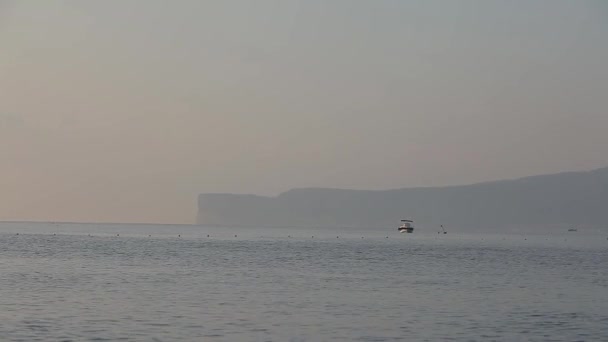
(337, 237)
(17, 233)
(387, 237)
(178, 235)
(234, 235)
(117, 234)
(207, 235)
(313, 237)
(149, 235)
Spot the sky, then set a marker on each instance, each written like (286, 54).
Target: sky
(124, 111)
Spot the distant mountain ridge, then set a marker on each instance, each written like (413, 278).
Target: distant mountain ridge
(570, 198)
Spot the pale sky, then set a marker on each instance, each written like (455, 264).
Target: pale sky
(124, 111)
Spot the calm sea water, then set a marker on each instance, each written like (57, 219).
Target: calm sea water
(57, 283)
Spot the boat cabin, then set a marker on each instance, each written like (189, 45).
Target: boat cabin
(407, 226)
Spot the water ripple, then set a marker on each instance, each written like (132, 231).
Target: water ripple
(132, 288)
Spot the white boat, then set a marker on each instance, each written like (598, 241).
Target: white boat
(407, 226)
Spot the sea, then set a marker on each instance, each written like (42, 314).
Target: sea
(117, 282)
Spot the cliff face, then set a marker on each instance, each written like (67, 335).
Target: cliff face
(579, 198)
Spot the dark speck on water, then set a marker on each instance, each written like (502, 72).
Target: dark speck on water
(409, 287)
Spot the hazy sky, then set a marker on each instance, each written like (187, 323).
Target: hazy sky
(126, 110)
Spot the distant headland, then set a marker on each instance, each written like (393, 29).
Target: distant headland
(571, 198)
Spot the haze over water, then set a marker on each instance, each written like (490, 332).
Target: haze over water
(127, 111)
(59, 283)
